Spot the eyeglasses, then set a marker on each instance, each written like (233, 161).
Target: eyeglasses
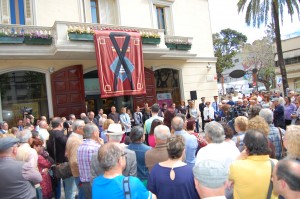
(124, 154)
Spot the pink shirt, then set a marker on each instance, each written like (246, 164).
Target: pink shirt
(151, 141)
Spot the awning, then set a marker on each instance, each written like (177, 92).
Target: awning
(289, 54)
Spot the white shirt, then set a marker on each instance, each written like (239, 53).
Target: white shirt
(209, 111)
(224, 152)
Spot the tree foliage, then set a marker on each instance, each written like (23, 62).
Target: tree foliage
(258, 12)
(226, 44)
(259, 55)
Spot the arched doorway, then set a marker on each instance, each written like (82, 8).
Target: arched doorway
(21, 89)
(93, 100)
(167, 82)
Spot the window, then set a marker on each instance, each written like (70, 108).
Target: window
(21, 89)
(162, 17)
(16, 12)
(100, 11)
(236, 61)
(108, 12)
(95, 11)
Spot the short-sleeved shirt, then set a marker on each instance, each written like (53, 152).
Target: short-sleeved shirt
(105, 188)
(182, 187)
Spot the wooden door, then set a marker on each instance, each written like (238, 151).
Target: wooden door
(150, 97)
(68, 91)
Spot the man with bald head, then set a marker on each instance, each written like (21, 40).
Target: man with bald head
(286, 178)
(191, 143)
(43, 131)
(159, 153)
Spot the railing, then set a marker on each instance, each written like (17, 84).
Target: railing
(23, 29)
(178, 39)
(59, 31)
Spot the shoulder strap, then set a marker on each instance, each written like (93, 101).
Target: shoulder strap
(126, 187)
(54, 147)
(281, 142)
(271, 183)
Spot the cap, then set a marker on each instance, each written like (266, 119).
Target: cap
(275, 99)
(114, 129)
(7, 142)
(211, 173)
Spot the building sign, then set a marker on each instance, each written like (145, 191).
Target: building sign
(164, 98)
(120, 63)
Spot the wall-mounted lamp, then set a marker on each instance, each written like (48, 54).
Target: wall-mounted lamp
(208, 66)
(51, 69)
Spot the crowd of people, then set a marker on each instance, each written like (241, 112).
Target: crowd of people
(228, 148)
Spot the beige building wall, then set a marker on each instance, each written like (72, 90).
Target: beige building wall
(291, 49)
(47, 12)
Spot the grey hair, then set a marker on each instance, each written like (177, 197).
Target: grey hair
(109, 155)
(177, 123)
(215, 132)
(116, 138)
(76, 124)
(267, 114)
(24, 135)
(162, 132)
(89, 129)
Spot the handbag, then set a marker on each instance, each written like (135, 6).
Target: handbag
(62, 170)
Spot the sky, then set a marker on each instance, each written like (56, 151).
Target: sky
(223, 14)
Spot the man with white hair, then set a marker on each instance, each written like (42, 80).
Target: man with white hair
(275, 134)
(159, 153)
(114, 135)
(27, 154)
(217, 149)
(210, 179)
(43, 132)
(90, 146)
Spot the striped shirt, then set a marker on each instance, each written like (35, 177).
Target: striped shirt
(84, 157)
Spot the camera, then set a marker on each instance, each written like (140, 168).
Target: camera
(26, 111)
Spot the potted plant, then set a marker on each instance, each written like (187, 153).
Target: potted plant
(171, 44)
(184, 45)
(80, 34)
(150, 38)
(38, 38)
(11, 38)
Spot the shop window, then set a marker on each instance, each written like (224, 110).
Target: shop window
(21, 89)
(16, 12)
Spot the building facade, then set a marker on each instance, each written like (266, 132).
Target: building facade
(62, 78)
(291, 56)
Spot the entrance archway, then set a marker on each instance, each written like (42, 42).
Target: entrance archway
(167, 81)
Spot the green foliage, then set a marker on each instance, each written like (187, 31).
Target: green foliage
(226, 44)
(259, 55)
(257, 12)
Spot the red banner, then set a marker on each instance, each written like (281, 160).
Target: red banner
(120, 63)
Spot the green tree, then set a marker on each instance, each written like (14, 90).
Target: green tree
(259, 55)
(257, 12)
(226, 44)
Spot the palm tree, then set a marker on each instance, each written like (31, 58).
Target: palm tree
(257, 12)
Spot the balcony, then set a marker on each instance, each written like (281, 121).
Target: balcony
(62, 48)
